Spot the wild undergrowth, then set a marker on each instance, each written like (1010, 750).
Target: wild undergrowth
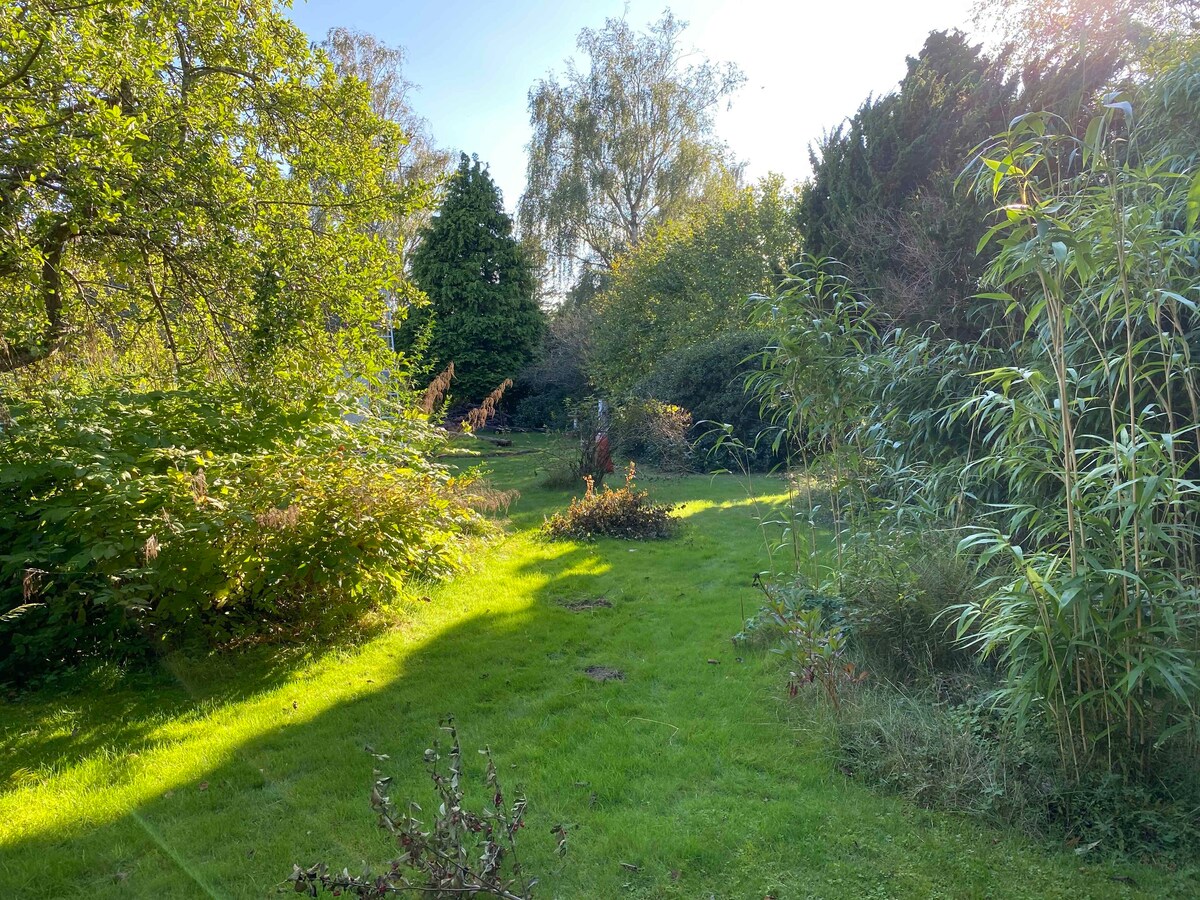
(1019, 513)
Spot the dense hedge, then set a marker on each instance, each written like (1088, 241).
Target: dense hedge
(707, 380)
(131, 521)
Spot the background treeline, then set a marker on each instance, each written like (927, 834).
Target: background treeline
(654, 242)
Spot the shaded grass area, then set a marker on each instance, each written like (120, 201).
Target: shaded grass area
(210, 777)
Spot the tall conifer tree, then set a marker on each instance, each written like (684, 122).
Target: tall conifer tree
(481, 287)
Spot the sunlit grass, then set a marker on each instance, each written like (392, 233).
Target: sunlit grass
(211, 777)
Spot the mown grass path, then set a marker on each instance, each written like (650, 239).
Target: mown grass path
(210, 778)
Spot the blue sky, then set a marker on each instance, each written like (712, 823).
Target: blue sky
(808, 64)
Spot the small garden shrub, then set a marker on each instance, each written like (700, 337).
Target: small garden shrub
(654, 433)
(624, 513)
(134, 521)
(808, 629)
(593, 456)
(768, 626)
(460, 853)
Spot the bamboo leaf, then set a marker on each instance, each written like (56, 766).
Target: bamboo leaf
(1193, 202)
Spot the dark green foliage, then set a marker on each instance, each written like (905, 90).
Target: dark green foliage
(1061, 452)
(134, 521)
(623, 513)
(545, 391)
(481, 288)
(882, 197)
(708, 380)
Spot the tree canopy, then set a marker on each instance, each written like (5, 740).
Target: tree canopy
(186, 179)
(481, 287)
(419, 161)
(882, 198)
(623, 143)
(689, 279)
(1120, 34)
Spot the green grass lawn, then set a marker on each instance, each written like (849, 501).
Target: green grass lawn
(211, 777)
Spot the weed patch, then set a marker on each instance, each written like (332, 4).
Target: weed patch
(460, 853)
(585, 604)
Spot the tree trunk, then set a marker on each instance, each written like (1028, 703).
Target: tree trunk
(53, 247)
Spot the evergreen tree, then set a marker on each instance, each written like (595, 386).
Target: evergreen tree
(883, 199)
(481, 287)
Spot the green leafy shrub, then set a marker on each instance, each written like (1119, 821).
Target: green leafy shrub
(136, 520)
(810, 633)
(655, 433)
(897, 586)
(783, 603)
(708, 380)
(543, 409)
(460, 853)
(624, 513)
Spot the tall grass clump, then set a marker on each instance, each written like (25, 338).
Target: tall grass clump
(1093, 428)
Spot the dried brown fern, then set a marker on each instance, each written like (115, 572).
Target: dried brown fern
(479, 416)
(436, 392)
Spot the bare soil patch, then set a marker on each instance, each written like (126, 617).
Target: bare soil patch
(581, 604)
(604, 673)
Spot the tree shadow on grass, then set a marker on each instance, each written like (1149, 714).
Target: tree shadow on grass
(106, 707)
(114, 706)
(292, 787)
(681, 769)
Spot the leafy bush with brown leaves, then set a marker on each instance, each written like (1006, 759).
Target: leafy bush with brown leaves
(623, 513)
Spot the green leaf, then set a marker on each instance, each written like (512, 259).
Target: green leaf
(1193, 202)
(1091, 140)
